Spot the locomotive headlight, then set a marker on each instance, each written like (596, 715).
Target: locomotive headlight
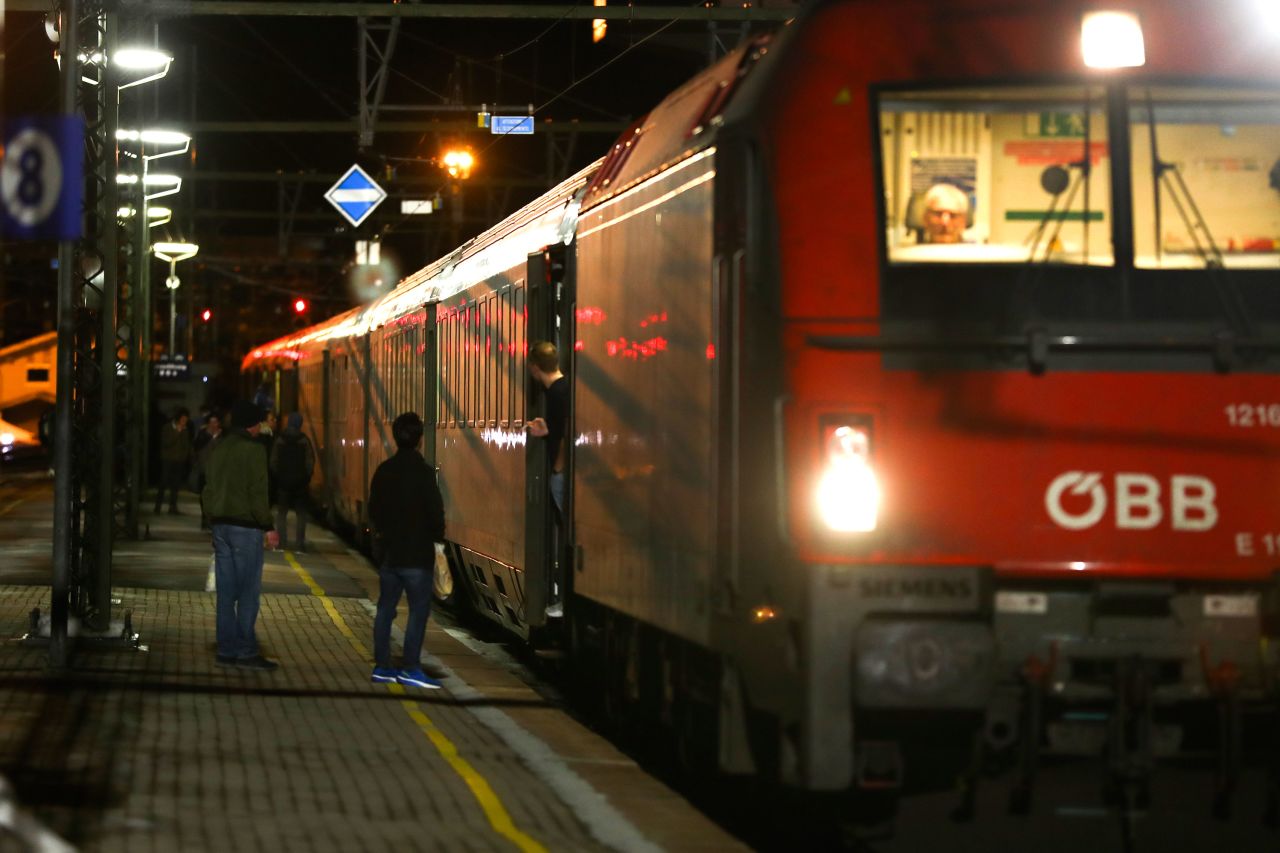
(1112, 40)
(848, 494)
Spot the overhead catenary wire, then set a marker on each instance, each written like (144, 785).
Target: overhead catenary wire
(442, 185)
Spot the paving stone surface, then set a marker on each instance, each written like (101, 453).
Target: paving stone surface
(160, 749)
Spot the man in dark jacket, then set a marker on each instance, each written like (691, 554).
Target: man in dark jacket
(175, 453)
(407, 511)
(235, 497)
(293, 461)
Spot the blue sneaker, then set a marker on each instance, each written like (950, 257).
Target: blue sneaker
(383, 674)
(417, 678)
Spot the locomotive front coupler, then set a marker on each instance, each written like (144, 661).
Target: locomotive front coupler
(1035, 683)
(1224, 683)
(1130, 757)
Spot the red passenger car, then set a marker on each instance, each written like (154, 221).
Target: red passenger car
(923, 364)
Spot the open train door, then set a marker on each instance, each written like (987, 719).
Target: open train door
(550, 318)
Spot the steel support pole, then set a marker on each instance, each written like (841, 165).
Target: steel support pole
(173, 320)
(138, 353)
(143, 318)
(99, 611)
(63, 499)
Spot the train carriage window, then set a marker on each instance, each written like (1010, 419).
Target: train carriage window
(996, 175)
(442, 370)
(459, 365)
(1206, 177)
(390, 379)
(450, 356)
(486, 360)
(520, 321)
(491, 359)
(474, 375)
(502, 375)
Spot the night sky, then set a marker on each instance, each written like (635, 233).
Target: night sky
(305, 69)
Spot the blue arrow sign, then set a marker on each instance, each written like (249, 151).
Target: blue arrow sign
(355, 195)
(511, 125)
(42, 178)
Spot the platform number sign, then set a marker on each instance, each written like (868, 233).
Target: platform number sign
(42, 178)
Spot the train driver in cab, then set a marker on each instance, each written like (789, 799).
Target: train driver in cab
(946, 214)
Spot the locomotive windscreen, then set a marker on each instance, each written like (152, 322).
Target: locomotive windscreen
(1083, 206)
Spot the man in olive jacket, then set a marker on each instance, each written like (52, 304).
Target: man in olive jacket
(235, 498)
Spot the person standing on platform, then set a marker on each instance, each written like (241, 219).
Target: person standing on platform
(206, 440)
(293, 461)
(407, 512)
(175, 454)
(236, 499)
(267, 438)
(544, 365)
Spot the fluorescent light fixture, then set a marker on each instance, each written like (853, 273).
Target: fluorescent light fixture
(1112, 40)
(153, 137)
(152, 180)
(152, 212)
(141, 59)
(174, 252)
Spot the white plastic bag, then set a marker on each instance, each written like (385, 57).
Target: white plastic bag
(211, 580)
(443, 585)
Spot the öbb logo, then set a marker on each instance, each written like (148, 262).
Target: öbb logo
(1077, 500)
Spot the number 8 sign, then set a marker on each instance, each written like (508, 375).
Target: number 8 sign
(41, 179)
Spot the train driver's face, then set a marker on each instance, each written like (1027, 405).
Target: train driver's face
(942, 224)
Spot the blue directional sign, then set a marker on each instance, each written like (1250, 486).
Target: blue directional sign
(511, 125)
(42, 178)
(355, 195)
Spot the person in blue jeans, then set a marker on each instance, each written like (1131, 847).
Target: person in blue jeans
(407, 513)
(235, 498)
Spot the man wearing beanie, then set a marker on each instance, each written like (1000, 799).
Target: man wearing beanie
(235, 497)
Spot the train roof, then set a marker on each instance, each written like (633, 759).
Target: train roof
(548, 219)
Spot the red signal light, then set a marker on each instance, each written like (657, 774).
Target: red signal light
(300, 306)
(206, 315)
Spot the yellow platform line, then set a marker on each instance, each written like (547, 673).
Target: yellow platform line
(497, 814)
(11, 506)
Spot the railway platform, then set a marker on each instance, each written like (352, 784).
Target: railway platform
(160, 749)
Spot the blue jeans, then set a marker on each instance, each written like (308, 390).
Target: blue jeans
(416, 583)
(238, 570)
(291, 500)
(557, 493)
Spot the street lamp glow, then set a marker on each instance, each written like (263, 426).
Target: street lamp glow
(174, 252)
(458, 162)
(141, 59)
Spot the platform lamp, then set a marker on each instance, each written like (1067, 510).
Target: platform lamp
(173, 252)
(141, 146)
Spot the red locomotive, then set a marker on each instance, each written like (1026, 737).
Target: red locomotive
(923, 364)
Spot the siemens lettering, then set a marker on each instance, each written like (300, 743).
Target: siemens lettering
(1077, 500)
